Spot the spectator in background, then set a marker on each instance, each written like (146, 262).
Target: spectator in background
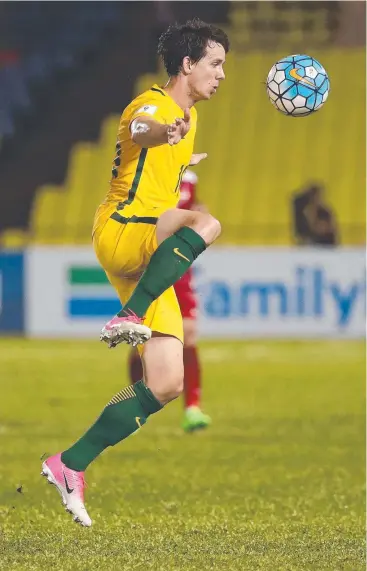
(313, 221)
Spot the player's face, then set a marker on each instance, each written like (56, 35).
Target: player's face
(207, 73)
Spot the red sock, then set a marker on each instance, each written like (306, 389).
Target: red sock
(135, 367)
(191, 376)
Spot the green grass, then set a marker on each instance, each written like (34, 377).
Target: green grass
(276, 484)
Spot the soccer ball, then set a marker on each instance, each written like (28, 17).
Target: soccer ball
(297, 85)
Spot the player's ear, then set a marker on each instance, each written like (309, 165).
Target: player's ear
(186, 65)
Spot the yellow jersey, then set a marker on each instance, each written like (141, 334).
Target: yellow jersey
(149, 179)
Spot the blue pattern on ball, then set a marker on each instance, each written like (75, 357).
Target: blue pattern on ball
(324, 87)
(301, 85)
(318, 99)
(311, 100)
(304, 90)
(304, 61)
(291, 93)
(283, 65)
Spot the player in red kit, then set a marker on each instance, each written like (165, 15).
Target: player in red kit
(194, 418)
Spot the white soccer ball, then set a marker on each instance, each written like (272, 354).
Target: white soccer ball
(297, 85)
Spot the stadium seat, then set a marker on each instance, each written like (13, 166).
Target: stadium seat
(47, 216)
(14, 238)
(64, 215)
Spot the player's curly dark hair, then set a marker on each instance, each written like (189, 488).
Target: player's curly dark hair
(189, 39)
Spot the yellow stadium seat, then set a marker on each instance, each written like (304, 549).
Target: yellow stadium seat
(102, 167)
(64, 215)
(76, 192)
(13, 239)
(47, 216)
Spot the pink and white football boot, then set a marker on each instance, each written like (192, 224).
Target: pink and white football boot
(129, 329)
(70, 484)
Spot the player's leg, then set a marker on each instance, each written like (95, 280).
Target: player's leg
(130, 408)
(181, 236)
(192, 384)
(125, 413)
(202, 223)
(162, 360)
(194, 418)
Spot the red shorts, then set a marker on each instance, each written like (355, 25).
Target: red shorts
(186, 296)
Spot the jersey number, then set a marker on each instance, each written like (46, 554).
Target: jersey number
(182, 170)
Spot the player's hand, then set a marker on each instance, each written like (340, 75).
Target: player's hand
(178, 130)
(196, 158)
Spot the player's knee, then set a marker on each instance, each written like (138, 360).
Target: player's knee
(170, 389)
(215, 227)
(175, 387)
(207, 226)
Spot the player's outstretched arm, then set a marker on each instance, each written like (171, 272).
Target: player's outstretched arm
(147, 132)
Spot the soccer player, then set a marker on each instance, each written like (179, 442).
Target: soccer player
(194, 417)
(145, 244)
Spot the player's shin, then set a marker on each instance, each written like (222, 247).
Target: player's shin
(168, 264)
(124, 414)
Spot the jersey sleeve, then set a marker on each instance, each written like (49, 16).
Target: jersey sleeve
(148, 107)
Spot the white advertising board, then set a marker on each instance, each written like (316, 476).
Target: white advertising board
(282, 292)
(242, 292)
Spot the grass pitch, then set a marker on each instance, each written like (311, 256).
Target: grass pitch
(276, 484)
